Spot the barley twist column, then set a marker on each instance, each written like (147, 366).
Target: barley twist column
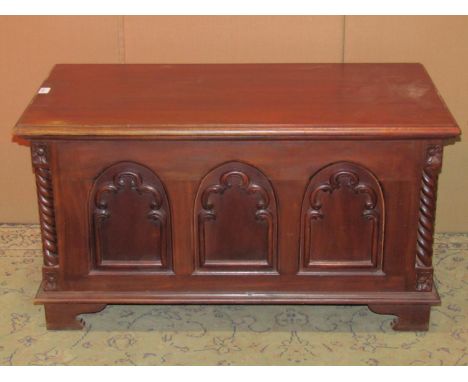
(40, 160)
(425, 238)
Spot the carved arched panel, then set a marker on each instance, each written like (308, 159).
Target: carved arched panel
(342, 221)
(130, 220)
(235, 221)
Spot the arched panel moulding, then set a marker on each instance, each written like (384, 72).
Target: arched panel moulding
(235, 220)
(130, 220)
(342, 221)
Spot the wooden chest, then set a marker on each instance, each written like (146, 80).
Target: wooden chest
(246, 184)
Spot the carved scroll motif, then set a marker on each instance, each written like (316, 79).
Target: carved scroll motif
(428, 197)
(348, 179)
(133, 181)
(40, 161)
(263, 200)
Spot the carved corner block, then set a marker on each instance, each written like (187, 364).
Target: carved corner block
(427, 207)
(40, 153)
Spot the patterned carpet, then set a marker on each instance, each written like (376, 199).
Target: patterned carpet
(227, 335)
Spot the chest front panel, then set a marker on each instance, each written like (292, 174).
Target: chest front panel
(290, 214)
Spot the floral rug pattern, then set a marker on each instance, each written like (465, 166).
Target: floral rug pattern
(227, 335)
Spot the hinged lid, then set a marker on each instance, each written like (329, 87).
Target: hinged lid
(291, 101)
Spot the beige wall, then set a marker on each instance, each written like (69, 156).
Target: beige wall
(30, 46)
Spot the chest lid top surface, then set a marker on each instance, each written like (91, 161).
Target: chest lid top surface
(237, 100)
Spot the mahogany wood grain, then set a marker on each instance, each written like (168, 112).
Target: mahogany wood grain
(252, 184)
(239, 101)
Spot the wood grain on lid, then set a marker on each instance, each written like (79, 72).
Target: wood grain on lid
(238, 100)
